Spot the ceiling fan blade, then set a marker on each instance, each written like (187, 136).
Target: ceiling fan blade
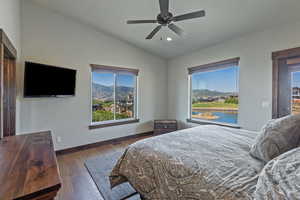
(164, 7)
(141, 21)
(150, 36)
(176, 29)
(189, 16)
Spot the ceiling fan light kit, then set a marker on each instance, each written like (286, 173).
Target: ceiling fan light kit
(166, 19)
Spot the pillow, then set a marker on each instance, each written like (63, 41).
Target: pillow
(278, 136)
(280, 178)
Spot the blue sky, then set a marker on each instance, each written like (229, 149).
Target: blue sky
(107, 79)
(224, 80)
(296, 79)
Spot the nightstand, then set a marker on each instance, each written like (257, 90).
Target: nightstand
(164, 126)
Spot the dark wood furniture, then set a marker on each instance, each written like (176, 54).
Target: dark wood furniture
(165, 126)
(8, 56)
(29, 169)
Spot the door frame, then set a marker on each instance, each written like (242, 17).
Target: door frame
(7, 51)
(280, 58)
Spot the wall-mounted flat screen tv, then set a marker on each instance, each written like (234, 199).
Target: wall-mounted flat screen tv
(48, 81)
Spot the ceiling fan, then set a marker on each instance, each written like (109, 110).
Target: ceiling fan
(165, 18)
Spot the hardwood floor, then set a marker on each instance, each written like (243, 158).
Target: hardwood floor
(77, 183)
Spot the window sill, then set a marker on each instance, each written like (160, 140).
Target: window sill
(116, 123)
(204, 122)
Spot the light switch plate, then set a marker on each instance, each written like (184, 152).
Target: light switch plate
(265, 104)
(58, 139)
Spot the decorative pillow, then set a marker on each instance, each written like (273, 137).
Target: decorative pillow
(278, 136)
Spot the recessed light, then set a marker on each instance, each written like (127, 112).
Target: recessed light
(169, 39)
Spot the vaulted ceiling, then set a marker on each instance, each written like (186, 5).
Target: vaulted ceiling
(225, 19)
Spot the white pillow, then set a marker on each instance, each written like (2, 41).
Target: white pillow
(280, 178)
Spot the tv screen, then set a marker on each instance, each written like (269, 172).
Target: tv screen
(46, 81)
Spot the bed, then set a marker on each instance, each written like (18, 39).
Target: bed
(205, 162)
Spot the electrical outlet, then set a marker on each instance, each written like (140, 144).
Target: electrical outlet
(58, 139)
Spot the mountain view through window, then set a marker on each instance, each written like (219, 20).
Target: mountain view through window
(113, 96)
(215, 95)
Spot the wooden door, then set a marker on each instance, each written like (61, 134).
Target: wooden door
(8, 56)
(9, 97)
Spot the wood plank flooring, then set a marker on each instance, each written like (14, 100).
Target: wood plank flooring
(77, 183)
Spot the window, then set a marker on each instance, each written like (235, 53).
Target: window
(214, 95)
(114, 95)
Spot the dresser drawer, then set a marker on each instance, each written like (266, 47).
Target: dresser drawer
(162, 131)
(164, 126)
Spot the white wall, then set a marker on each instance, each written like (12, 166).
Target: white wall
(10, 13)
(255, 73)
(53, 39)
(10, 20)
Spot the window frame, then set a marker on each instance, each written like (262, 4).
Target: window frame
(207, 68)
(115, 71)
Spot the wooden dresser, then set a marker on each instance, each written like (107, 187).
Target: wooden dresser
(29, 169)
(164, 126)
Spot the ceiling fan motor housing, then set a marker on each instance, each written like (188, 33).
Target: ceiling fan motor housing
(165, 20)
